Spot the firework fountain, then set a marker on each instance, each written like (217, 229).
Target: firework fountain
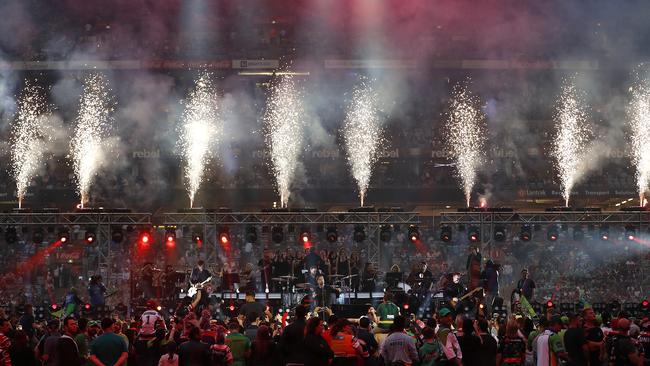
(639, 111)
(571, 137)
(283, 121)
(29, 137)
(362, 135)
(200, 130)
(466, 134)
(88, 143)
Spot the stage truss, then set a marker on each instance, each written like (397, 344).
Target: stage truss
(102, 222)
(371, 221)
(487, 221)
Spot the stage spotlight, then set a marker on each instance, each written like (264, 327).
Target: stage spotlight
(144, 237)
(604, 233)
(116, 234)
(630, 232)
(359, 234)
(170, 237)
(332, 234)
(525, 233)
(64, 235)
(414, 234)
(644, 308)
(474, 234)
(224, 235)
(251, 234)
(499, 233)
(90, 236)
(37, 236)
(550, 304)
(11, 235)
(552, 233)
(445, 234)
(277, 234)
(578, 233)
(385, 233)
(197, 238)
(305, 236)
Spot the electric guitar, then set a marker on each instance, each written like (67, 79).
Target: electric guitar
(453, 302)
(194, 288)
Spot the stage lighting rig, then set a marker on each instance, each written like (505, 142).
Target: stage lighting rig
(525, 233)
(64, 235)
(332, 234)
(578, 233)
(145, 238)
(414, 234)
(385, 233)
(11, 235)
(90, 236)
(500, 233)
(630, 232)
(170, 237)
(359, 234)
(604, 233)
(474, 234)
(116, 234)
(224, 235)
(37, 236)
(277, 234)
(305, 236)
(251, 234)
(445, 234)
(552, 234)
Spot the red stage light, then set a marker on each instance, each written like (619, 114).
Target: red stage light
(64, 239)
(232, 308)
(87, 306)
(550, 304)
(54, 307)
(406, 306)
(224, 239)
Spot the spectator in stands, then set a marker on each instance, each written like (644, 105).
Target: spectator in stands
(317, 351)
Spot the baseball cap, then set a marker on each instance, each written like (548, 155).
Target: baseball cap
(444, 312)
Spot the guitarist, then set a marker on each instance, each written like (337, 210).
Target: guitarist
(200, 275)
(454, 288)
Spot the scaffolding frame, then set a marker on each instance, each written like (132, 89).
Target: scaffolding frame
(371, 221)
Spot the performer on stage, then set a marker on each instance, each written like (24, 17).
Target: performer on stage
(474, 267)
(200, 275)
(169, 279)
(146, 281)
(421, 280)
(311, 277)
(454, 288)
(369, 278)
(96, 291)
(323, 296)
